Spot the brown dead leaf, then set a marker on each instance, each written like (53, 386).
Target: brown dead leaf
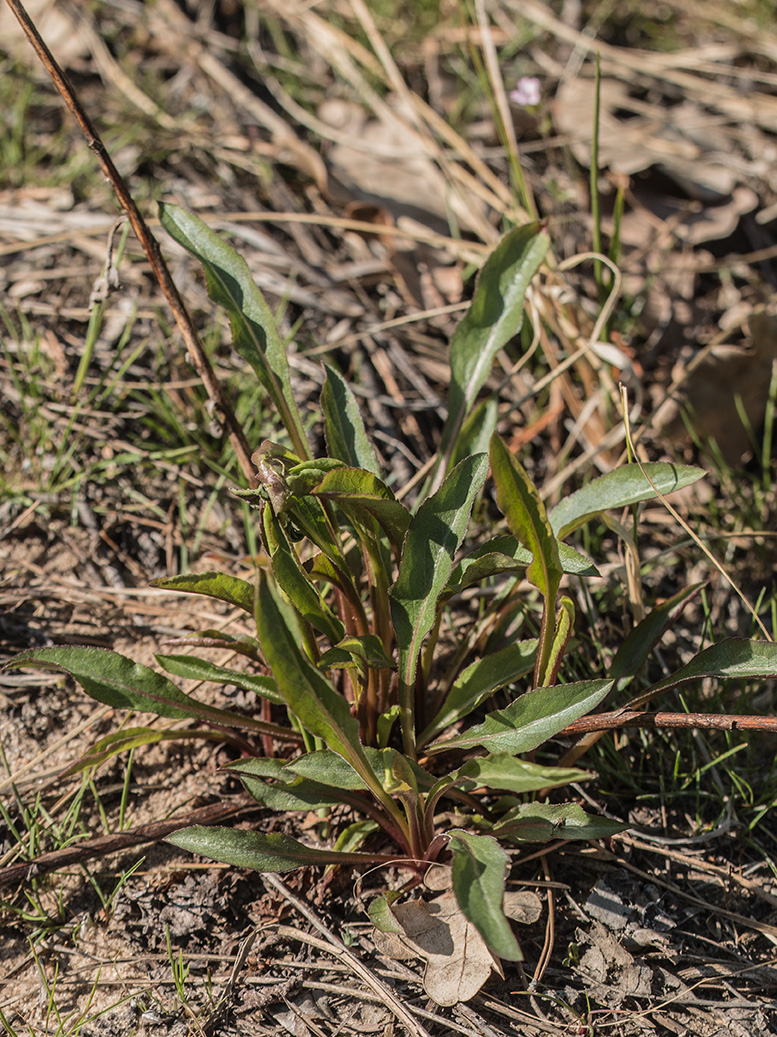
(712, 383)
(385, 163)
(458, 962)
(634, 136)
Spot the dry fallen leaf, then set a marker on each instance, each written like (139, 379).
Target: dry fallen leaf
(712, 383)
(458, 962)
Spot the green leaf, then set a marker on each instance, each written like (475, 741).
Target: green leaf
(733, 659)
(476, 432)
(505, 554)
(309, 696)
(294, 581)
(480, 680)
(494, 317)
(521, 505)
(346, 437)
(190, 667)
(365, 651)
(277, 789)
(531, 719)
(273, 853)
(126, 739)
(541, 822)
(214, 585)
(354, 835)
(618, 489)
(480, 867)
(121, 683)
(254, 333)
(435, 535)
(633, 652)
(381, 915)
(505, 772)
(328, 768)
(363, 496)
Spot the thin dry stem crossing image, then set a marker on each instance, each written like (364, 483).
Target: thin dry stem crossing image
(387, 508)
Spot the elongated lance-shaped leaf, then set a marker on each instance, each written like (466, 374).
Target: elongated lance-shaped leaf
(564, 624)
(480, 680)
(346, 437)
(123, 684)
(530, 720)
(504, 771)
(494, 317)
(541, 822)
(362, 496)
(618, 489)
(311, 698)
(526, 516)
(633, 652)
(479, 871)
(213, 585)
(191, 667)
(254, 333)
(733, 659)
(273, 787)
(435, 535)
(521, 505)
(505, 554)
(269, 853)
(294, 581)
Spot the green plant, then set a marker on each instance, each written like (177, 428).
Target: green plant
(355, 661)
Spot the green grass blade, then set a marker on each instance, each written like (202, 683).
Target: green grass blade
(435, 535)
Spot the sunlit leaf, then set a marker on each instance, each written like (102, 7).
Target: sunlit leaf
(346, 437)
(618, 489)
(214, 585)
(269, 853)
(531, 719)
(254, 333)
(479, 871)
(435, 535)
(494, 317)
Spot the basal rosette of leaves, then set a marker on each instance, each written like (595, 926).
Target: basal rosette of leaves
(349, 610)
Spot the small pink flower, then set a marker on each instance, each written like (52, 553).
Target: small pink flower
(527, 93)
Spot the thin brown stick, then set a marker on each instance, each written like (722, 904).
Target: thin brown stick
(149, 243)
(106, 844)
(336, 947)
(637, 718)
